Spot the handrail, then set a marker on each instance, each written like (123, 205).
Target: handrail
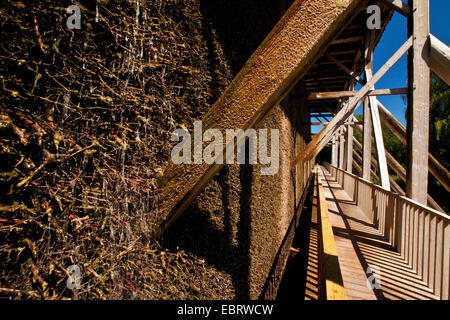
(394, 194)
(331, 283)
(420, 234)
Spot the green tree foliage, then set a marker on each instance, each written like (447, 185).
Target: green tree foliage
(439, 119)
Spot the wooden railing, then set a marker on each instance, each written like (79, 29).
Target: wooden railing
(420, 234)
(331, 284)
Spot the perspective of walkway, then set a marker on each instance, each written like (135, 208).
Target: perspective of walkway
(371, 268)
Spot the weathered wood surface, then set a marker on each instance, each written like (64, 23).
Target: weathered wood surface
(290, 49)
(399, 5)
(435, 167)
(376, 123)
(398, 169)
(360, 244)
(329, 267)
(346, 94)
(418, 111)
(324, 136)
(440, 59)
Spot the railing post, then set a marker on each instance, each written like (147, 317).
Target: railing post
(446, 262)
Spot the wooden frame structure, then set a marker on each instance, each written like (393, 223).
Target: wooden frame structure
(331, 284)
(425, 52)
(329, 62)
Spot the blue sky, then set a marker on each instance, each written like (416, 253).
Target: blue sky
(394, 36)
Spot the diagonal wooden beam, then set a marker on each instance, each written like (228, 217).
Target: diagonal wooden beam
(399, 170)
(286, 54)
(435, 167)
(321, 139)
(367, 122)
(346, 94)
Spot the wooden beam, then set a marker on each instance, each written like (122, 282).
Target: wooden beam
(346, 94)
(379, 143)
(343, 67)
(325, 123)
(329, 269)
(357, 166)
(346, 40)
(286, 54)
(341, 149)
(418, 110)
(368, 126)
(440, 58)
(399, 170)
(399, 6)
(349, 149)
(435, 167)
(373, 162)
(334, 152)
(347, 110)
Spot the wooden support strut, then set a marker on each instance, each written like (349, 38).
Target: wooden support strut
(399, 171)
(435, 167)
(375, 119)
(291, 48)
(417, 129)
(440, 59)
(346, 94)
(329, 269)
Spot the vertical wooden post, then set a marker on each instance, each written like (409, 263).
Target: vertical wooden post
(341, 148)
(349, 149)
(418, 102)
(367, 128)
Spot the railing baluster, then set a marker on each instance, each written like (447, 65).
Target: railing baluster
(439, 251)
(433, 243)
(446, 261)
(426, 247)
(420, 244)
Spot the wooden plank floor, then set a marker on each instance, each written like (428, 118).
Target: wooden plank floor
(360, 245)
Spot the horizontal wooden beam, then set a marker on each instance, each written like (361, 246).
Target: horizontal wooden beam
(286, 54)
(440, 58)
(347, 40)
(346, 94)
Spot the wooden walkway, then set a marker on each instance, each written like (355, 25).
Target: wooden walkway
(360, 246)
